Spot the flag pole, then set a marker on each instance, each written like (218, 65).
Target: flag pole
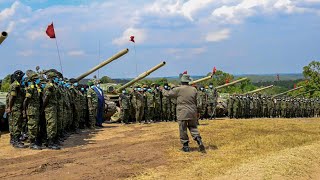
(59, 55)
(135, 57)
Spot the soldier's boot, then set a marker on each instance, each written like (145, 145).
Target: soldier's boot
(11, 140)
(201, 146)
(18, 144)
(52, 145)
(34, 145)
(23, 137)
(186, 147)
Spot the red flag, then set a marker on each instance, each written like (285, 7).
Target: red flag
(50, 31)
(132, 39)
(227, 80)
(214, 70)
(278, 77)
(294, 86)
(186, 72)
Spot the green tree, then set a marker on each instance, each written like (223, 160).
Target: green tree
(106, 79)
(6, 83)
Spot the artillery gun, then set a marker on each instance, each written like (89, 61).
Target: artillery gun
(112, 92)
(286, 92)
(200, 80)
(3, 36)
(258, 90)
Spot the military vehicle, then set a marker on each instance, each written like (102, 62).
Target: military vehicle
(222, 106)
(3, 121)
(3, 36)
(112, 92)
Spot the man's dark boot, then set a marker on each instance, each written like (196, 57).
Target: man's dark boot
(35, 146)
(18, 144)
(201, 146)
(53, 146)
(185, 147)
(11, 140)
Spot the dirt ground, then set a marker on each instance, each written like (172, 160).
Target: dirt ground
(114, 152)
(241, 149)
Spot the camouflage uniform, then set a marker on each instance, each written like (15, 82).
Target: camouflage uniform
(50, 110)
(125, 107)
(92, 106)
(149, 96)
(138, 105)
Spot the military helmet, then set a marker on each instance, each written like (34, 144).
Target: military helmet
(18, 74)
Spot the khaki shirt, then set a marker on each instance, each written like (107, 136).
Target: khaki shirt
(186, 102)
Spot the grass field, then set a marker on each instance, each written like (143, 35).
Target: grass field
(248, 149)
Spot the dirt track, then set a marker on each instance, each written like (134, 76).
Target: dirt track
(114, 152)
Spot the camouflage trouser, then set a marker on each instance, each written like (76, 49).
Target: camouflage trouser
(52, 123)
(173, 112)
(33, 126)
(157, 113)
(76, 118)
(15, 123)
(192, 125)
(150, 114)
(139, 113)
(60, 121)
(212, 110)
(165, 112)
(125, 114)
(92, 117)
(65, 119)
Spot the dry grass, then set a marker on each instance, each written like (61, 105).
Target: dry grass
(247, 149)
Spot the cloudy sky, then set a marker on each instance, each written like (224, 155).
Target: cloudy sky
(237, 36)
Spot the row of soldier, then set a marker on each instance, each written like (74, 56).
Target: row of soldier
(48, 108)
(258, 106)
(148, 104)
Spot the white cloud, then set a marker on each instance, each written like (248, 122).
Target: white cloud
(9, 12)
(139, 34)
(218, 35)
(26, 53)
(35, 34)
(76, 53)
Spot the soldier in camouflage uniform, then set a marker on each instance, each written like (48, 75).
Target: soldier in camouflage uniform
(138, 104)
(14, 108)
(124, 100)
(150, 99)
(76, 105)
(92, 105)
(31, 106)
(212, 95)
(50, 102)
(166, 105)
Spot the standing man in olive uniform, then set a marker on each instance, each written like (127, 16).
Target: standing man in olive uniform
(14, 108)
(124, 100)
(92, 105)
(187, 112)
(31, 106)
(165, 105)
(50, 102)
(157, 105)
(138, 104)
(149, 95)
(212, 101)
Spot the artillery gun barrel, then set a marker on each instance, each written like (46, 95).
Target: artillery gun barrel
(200, 80)
(258, 90)
(141, 76)
(303, 93)
(287, 91)
(3, 36)
(114, 57)
(232, 83)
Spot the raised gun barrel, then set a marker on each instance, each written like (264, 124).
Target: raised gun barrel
(141, 76)
(232, 83)
(294, 89)
(258, 90)
(114, 57)
(3, 36)
(200, 80)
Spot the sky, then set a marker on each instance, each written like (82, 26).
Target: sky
(236, 36)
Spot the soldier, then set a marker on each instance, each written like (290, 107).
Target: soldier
(92, 105)
(212, 101)
(76, 105)
(124, 100)
(157, 104)
(186, 112)
(166, 105)
(230, 106)
(150, 98)
(14, 108)
(50, 102)
(32, 109)
(138, 104)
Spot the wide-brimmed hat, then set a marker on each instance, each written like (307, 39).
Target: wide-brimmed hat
(185, 78)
